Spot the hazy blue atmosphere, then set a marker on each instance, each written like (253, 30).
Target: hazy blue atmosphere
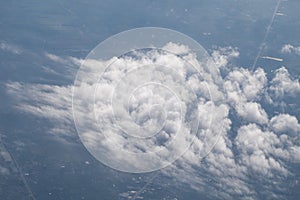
(255, 45)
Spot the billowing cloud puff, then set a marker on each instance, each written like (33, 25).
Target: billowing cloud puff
(288, 48)
(244, 160)
(252, 112)
(150, 96)
(242, 85)
(222, 56)
(286, 124)
(256, 147)
(283, 85)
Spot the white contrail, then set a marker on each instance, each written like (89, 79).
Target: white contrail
(272, 58)
(261, 47)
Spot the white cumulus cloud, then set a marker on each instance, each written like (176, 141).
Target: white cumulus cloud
(288, 48)
(286, 124)
(244, 159)
(283, 85)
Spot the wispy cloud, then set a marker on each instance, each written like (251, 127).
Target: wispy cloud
(4, 46)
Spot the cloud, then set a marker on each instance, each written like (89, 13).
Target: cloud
(178, 49)
(65, 67)
(256, 146)
(252, 112)
(223, 55)
(142, 86)
(56, 58)
(288, 48)
(244, 89)
(4, 46)
(286, 124)
(283, 85)
(242, 85)
(51, 102)
(260, 146)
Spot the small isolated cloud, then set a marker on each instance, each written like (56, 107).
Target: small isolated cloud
(288, 48)
(4, 46)
(56, 58)
(246, 160)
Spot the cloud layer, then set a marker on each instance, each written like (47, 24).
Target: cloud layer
(252, 150)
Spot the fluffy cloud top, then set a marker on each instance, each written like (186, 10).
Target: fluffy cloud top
(244, 160)
(288, 48)
(242, 85)
(252, 112)
(283, 84)
(285, 124)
